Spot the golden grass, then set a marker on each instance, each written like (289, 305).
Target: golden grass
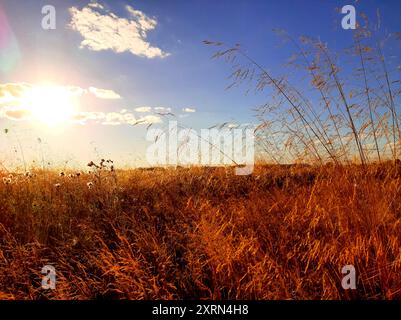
(283, 232)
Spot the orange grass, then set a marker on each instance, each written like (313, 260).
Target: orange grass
(283, 232)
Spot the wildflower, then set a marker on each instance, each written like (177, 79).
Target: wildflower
(7, 180)
(62, 174)
(90, 185)
(28, 174)
(91, 164)
(78, 174)
(71, 176)
(57, 185)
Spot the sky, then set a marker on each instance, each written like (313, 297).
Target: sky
(122, 63)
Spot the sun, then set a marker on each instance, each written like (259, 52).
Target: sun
(51, 105)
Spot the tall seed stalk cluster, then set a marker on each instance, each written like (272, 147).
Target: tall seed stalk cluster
(338, 108)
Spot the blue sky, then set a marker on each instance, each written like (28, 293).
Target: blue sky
(185, 78)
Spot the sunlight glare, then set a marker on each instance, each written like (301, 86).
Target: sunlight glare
(51, 105)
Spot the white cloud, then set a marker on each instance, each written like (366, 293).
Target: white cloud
(162, 109)
(143, 109)
(149, 119)
(95, 5)
(105, 31)
(104, 93)
(84, 116)
(13, 106)
(117, 118)
(15, 113)
(232, 125)
(189, 110)
(114, 118)
(12, 94)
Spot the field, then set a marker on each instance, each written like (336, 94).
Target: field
(284, 232)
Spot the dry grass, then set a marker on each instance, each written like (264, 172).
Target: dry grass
(284, 232)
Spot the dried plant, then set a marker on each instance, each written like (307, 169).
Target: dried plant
(350, 108)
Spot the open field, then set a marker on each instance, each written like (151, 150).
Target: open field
(303, 96)
(283, 232)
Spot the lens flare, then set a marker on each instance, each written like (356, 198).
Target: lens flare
(9, 49)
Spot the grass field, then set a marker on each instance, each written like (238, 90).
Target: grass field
(307, 94)
(284, 232)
